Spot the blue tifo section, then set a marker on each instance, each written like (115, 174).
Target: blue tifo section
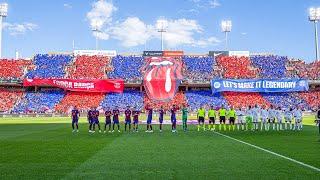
(49, 66)
(39, 101)
(199, 67)
(126, 67)
(127, 98)
(270, 67)
(285, 100)
(196, 98)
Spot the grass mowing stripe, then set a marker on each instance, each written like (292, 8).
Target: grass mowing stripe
(271, 152)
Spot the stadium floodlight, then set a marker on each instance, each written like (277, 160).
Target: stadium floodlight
(226, 27)
(3, 14)
(96, 31)
(314, 16)
(162, 25)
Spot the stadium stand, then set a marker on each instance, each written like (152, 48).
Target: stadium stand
(83, 100)
(49, 66)
(312, 98)
(284, 100)
(13, 69)
(89, 67)
(199, 67)
(8, 99)
(245, 99)
(39, 102)
(179, 100)
(130, 98)
(126, 67)
(236, 67)
(270, 67)
(197, 98)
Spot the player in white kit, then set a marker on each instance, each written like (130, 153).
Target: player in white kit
(241, 122)
(264, 118)
(288, 118)
(255, 117)
(271, 118)
(297, 113)
(279, 118)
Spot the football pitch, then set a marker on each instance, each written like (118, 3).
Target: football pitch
(45, 148)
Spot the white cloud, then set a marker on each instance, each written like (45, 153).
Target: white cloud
(135, 32)
(19, 29)
(100, 16)
(214, 3)
(132, 32)
(67, 6)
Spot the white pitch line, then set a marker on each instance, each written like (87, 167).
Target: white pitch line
(271, 152)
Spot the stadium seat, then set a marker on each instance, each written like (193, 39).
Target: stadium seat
(49, 66)
(236, 67)
(13, 69)
(126, 67)
(245, 99)
(130, 98)
(270, 67)
(83, 100)
(39, 102)
(197, 98)
(8, 99)
(179, 100)
(89, 67)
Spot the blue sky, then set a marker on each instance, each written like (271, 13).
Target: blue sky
(278, 26)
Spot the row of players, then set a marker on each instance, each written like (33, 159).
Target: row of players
(247, 118)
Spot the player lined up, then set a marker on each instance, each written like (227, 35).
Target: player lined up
(245, 118)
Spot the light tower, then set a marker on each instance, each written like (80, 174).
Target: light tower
(314, 16)
(226, 26)
(96, 30)
(3, 14)
(162, 25)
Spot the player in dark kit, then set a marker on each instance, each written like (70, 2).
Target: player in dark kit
(90, 119)
(173, 118)
(135, 114)
(127, 113)
(96, 120)
(75, 118)
(161, 114)
(115, 119)
(108, 115)
(149, 119)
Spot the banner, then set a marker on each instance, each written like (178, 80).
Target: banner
(239, 53)
(173, 53)
(259, 85)
(103, 86)
(110, 53)
(218, 53)
(153, 53)
(162, 77)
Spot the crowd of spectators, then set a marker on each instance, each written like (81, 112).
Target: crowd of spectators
(49, 66)
(312, 98)
(126, 67)
(39, 102)
(301, 69)
(83, 101)
(270, 67)
(239, 100)
(179, 100)
(8, 99)
(200, 68)
(90, 67)
(236, 67)
(284, 100)
(197, 98)
(131, 98)
(13, 69)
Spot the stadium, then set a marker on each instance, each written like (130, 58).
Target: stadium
(40, 94)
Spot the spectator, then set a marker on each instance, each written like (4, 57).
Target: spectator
(49, 66)
(270, 67)
(197, 98)
(8, 99)
(126, 67)
(236, 67)
(199, 68)
(179, 100)
(284, 100)
(245, 99)
(13, 69)
(130, 98)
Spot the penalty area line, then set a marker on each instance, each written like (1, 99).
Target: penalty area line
(270, 152)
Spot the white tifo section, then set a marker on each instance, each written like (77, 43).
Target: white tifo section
(276, 154)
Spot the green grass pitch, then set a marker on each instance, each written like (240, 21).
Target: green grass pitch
(45, 148)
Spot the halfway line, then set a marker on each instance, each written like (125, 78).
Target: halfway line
(271, 152)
